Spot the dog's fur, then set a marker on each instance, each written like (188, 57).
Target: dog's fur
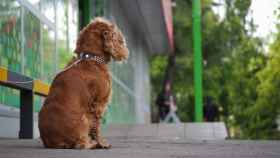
(78, 97)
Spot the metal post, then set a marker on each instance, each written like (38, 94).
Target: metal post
(85, 11)
(56, 55)
(22, 39)
(196, 11)
(26, 114)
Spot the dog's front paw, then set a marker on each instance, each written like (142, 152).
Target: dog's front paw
(103, 144)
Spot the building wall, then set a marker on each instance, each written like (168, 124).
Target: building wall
(37, 39)
(133, 75)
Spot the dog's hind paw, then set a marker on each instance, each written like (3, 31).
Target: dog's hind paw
(103, 144)
(91, 144)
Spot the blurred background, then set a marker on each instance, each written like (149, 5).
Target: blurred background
(240, 45)
(241, 73)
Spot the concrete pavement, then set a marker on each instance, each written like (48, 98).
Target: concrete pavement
(147, 147)
(187, 140)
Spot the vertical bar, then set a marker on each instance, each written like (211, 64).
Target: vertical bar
(26, 114)
(22, 39)
(108, 9)
(85, 12)
(41, 51)
(196, 11)
(56, 56)
(67, 26)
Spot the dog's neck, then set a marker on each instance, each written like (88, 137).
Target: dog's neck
(90, 56)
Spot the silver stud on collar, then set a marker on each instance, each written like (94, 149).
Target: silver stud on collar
(99, 60)
(87, 56)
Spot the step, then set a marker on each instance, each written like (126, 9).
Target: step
(191, 131)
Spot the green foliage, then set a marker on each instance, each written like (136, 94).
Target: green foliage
(241, 78)
(267, 104)
(64, 55)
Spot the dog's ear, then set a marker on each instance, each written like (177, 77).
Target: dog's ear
(114, 43)
(109, 37)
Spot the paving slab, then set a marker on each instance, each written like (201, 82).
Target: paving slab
(147, 147)
(171, 130)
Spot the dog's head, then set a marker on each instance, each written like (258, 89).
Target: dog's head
(102, 38)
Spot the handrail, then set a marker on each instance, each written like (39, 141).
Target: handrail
(18, 81)
(27, 87)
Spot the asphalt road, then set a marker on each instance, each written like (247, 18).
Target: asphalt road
(147, 147)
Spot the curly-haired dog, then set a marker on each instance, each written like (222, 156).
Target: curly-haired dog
(78, 97)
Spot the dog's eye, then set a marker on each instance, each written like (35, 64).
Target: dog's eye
(105, 33)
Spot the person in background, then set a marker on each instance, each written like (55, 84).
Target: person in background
(210, 110)
(164, 101)
(172, 117)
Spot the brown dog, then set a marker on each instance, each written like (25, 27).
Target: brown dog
(78, 97)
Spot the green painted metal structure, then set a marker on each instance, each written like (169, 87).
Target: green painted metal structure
(85, 12)
(197, 60)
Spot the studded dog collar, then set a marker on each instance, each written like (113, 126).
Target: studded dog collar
(90, 56)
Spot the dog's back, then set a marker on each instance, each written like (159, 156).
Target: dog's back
(61, 119)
